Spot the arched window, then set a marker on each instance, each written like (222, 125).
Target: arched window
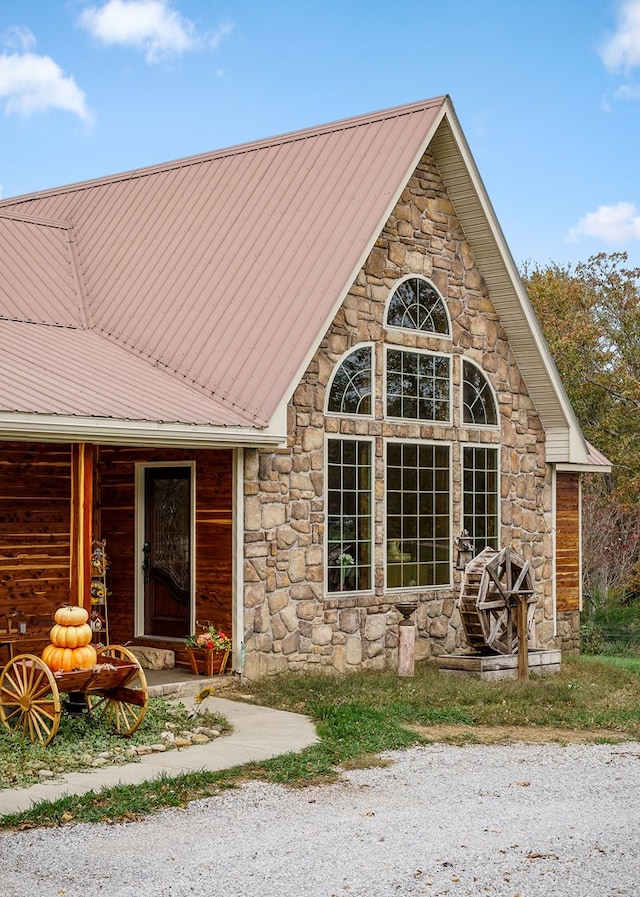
(478, 404)
(351, 389)
(417, 305)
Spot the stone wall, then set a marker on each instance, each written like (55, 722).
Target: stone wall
(289, 622)
(569, 631)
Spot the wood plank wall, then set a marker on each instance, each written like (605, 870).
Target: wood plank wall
(36, 533)
(568, 572)
(214, 532)
(35, 505)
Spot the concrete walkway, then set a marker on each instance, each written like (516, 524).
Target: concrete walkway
(259, 733)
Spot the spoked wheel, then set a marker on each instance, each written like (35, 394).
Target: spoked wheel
(493, 585)
(125, 704)
(29, 698)
(506, 576)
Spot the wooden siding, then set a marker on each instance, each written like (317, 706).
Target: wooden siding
(214, 550)
(35, 527)
(45, 494)
(568, 572)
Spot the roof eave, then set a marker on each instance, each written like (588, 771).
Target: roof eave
(58, 428)
(584, 468)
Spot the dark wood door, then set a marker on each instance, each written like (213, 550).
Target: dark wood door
(167, 551)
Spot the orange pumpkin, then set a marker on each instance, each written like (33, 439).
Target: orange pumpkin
(70, 615)
(70, 636)
(85, 657)
(66, 659)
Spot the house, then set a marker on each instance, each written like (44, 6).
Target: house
(279, 380)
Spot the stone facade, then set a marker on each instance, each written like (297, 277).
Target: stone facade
(290, 622)
(568, 625)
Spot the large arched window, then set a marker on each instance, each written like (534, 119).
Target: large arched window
(350, 392)
(478, 403)
(416, 305)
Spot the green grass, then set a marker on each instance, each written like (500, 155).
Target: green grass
(79, 740)
(624, 663)
(362, 715)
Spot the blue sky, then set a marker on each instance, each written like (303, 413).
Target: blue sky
(548, 94)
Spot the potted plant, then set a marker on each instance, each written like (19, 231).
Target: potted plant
(346, 562)
(208, 649)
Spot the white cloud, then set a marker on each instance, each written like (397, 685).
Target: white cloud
(628, 92)
(221, 33)
(18, 37)
(150, 25)
(619, 223)
(31, 83)
(621, 52)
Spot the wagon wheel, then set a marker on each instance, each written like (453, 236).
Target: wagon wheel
(125, 705)
(29, 698)
(505, 577)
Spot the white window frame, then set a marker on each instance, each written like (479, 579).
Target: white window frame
(497, 449)
(469, 425)
(349, 438)
(390, 347)
(334, 373)
(432, 333)
(438, 443)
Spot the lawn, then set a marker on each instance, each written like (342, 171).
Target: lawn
(86, 741)
(362, 715)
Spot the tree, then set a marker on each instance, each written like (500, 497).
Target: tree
(590, 316)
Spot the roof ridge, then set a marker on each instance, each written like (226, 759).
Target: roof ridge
(236, 149)
(10, 215)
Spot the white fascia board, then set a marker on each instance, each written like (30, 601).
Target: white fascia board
(576, 443)
(101, 431)
(584, 468)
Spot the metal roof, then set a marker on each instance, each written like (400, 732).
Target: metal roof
(198, 291)
(221, 268)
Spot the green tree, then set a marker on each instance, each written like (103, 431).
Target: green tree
(590, 316)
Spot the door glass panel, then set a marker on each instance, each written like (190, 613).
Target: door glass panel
(171, 527)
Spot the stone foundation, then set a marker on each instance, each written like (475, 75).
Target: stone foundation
(569, 631)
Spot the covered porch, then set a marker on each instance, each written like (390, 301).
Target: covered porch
(165, 517)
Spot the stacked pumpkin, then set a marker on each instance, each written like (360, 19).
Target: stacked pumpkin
(70, 647)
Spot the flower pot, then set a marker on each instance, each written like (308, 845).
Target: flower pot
(208, 661)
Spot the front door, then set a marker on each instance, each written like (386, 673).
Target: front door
(167, 551)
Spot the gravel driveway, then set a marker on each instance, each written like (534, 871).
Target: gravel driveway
(527, 820)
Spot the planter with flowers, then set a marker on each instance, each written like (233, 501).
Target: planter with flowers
(209, 650)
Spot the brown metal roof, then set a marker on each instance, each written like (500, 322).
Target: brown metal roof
(223, 269)
(197, 291)
(115, 383)
(596, 458)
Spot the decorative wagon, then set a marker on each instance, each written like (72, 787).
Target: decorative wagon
(115, 687)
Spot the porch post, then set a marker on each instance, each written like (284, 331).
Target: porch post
(81, 519)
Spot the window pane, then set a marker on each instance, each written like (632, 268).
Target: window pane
(418, 540)
(417, 305)
(418, 386)
(351, 388)
(480, 503)
(478, 404)
(349, 515)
